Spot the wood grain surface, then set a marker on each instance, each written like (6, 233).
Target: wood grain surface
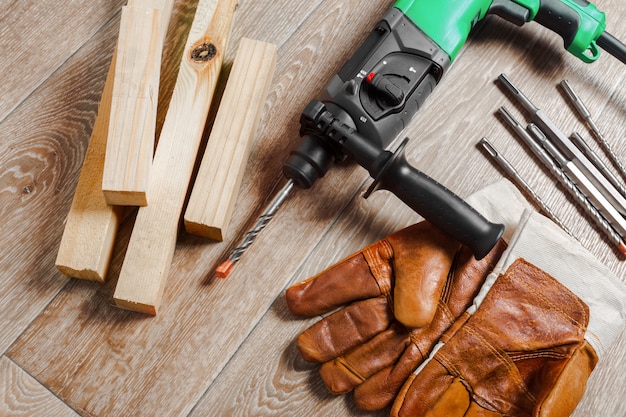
(226, 347)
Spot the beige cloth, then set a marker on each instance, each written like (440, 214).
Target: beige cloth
(540, 241)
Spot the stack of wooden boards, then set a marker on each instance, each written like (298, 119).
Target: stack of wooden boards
(119, 168)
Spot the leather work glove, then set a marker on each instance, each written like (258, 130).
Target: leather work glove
(531, 339)
(398, 296)
(402, 293)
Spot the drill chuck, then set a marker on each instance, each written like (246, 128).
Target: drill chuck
(309, 162)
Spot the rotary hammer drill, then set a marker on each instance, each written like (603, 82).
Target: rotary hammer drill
(378, 91)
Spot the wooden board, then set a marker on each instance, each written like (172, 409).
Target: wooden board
(224, 162)
(132, 124)
(151, 247)
(228, 346)
(91, 225)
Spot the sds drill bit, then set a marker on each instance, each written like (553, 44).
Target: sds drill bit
(225, 267)
(521, 183)
(595, 159)
(586, 115)
(569, 185)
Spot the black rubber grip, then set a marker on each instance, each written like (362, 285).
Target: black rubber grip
(439, 206)
(560, 18)
(392, 172)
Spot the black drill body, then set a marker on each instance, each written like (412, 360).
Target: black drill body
(403, 60)
(365, 107)
(377, 93)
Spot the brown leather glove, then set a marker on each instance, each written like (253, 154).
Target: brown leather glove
(522, 353)
(402, 293)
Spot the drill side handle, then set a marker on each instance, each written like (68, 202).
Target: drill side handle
(392, 172)
(437, 204)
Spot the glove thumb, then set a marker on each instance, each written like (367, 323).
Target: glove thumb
(421, 269)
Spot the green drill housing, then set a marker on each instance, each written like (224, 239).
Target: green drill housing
(449, 22)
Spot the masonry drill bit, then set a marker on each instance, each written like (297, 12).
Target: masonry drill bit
(595, 204)
(586, 115)
(565, 146)
(565, 181)
(225, 267)
(521, 183)
(595, 159)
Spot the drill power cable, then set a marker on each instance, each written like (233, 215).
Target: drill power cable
(223, 270)
(613, 46)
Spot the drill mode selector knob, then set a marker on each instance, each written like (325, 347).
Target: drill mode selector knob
(386, 90)
(391, 83)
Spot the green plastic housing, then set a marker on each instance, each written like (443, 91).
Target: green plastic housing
(592, 25)
(446, 22)
(449, 22)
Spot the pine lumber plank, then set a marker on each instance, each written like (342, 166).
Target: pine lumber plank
(24, 396)
(91, 225)
(132, 123)
(224, 162)
(82, 346)
(151, 247)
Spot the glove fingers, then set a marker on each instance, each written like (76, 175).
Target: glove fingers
(422, 393)
(344, 373)
(345, 329)
(453, 400)
(379, 391)
(347, 281)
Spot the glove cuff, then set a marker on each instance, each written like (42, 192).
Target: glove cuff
(535, 238)
(542, 243)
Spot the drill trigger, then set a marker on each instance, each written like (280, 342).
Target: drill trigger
(511, 11)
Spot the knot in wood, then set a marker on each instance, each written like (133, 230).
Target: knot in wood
(205, 52)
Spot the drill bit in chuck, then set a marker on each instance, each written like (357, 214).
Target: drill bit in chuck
(225, 267)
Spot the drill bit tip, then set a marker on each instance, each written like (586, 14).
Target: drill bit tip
(518, 94)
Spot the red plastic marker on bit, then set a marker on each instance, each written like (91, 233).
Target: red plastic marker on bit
(224, 268)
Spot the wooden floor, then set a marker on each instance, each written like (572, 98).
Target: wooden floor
(226, 347)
